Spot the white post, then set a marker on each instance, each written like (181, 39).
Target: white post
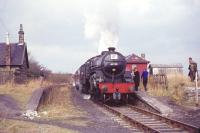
(7, 38)
(196, 88)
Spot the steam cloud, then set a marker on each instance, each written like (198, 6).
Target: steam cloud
(101, 24)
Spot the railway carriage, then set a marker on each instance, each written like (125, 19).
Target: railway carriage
(105, 77)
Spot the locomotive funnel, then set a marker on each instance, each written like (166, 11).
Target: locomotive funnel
(111, 49)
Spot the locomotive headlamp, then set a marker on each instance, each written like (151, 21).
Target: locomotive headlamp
(114, 64)
(131, 88)
(113, 69)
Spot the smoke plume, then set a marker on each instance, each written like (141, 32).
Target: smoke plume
(101, 24)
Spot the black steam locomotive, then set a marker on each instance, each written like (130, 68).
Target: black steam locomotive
(104, 77)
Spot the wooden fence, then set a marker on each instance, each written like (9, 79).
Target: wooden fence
(12, 77)
(6, 76)
(159, 80)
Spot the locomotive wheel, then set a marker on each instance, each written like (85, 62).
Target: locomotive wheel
(94, 88)
(103, 98)
(97, 93)
(92, 93)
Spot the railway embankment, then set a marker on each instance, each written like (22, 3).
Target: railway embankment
(39, 97)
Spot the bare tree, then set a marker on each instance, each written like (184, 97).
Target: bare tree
(36, 70)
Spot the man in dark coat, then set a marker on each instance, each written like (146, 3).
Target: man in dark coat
(136, 78)
(192, 69)
(144, 78)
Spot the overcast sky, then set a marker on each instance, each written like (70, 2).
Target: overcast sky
(62, 34)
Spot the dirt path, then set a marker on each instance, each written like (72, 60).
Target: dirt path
(8, 106)
(99, 122)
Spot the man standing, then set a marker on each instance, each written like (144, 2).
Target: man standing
(136, 78)
(192, 69)
(144, 78)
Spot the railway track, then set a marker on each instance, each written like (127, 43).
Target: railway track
(148, 121)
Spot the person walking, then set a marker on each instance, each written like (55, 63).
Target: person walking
(144, 78)
(136, 78)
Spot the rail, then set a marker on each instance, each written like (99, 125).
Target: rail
(173, 122)
(149, 121)
(130, 120)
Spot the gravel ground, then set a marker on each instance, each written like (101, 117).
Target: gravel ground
(100, 121)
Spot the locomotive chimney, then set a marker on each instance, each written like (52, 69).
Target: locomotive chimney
(111, 49)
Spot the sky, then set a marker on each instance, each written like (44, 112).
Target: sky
(63, 34)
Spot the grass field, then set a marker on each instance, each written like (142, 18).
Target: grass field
(60, 107)
(21, 92)
(175, 89)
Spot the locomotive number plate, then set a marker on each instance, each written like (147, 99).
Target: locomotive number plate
(114, 56)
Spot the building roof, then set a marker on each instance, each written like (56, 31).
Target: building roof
(136, 59)
(166, 65)
(17, 54)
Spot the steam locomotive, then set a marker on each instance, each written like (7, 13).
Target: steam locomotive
(105, 78)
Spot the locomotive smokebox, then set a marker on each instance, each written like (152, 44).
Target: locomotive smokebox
(111, 49)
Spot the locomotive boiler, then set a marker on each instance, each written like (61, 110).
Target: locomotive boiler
(105, 77)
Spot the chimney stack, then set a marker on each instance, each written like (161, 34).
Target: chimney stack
(8, 52)
(143, 55)
(21, 35)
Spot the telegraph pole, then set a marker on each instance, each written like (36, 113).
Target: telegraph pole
(196, 88)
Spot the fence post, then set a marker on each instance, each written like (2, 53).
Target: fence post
(196, 88)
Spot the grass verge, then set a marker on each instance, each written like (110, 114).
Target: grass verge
(21, 92)
(59, 106)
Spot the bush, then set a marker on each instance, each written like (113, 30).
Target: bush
(60, 78)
